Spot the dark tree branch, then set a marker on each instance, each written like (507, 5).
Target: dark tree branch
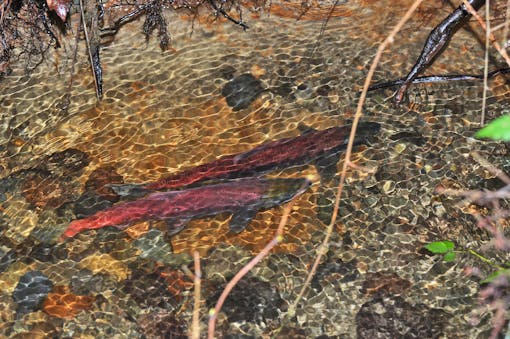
(225, 14)
(436, 43)
(439, 79)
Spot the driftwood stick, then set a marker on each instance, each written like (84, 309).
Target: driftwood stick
(440, 79)
(436, 43)
(93, 51)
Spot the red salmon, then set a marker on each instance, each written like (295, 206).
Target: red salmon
(243, 198)
(320, 147)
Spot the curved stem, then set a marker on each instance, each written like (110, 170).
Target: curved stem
(323, 247)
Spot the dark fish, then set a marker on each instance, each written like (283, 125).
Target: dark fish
(243, 198)
(321, 147)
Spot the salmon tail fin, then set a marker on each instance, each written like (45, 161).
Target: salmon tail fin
(78, 226)
(370, 126)
(326, 164)
(129, 190)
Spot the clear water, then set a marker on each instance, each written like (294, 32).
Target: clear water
(164, 111)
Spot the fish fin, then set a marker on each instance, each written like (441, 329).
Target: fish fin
(304, 129)
(366, 130)
(174, 226)
(128, 190)
(326, 166)
(241, 219)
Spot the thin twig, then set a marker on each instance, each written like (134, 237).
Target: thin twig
(490, 167)
(4, 9)
(265, 251)
(501, 51)
(124, 19)
(226, 15)
(507, 25)
(484, 197)
(195, 323)
(431, 79)
(323, 28)
(87, 40)
(323, 247)
(75, 55)
(486, 63)
(477, 196)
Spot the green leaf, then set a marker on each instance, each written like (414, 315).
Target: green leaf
(450, 256)
(440, 247)
(449, 244)
(498, 129)
(491, 277)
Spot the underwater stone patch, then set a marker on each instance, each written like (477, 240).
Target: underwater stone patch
(30, 292)
(261, 305)
(393, 317)
(241, 91)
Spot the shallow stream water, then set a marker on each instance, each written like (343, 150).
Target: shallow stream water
(163, 112)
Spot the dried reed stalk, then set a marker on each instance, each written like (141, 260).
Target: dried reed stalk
(263, 253)
(498, 47)
(347, 162)
(197, 277)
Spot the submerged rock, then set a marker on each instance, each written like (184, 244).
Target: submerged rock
(66, 163)
(261, 306)
(30, 292)
(89, 203)
(49, 184)
(162, 324)
(241, 91)
(393, 317)
(45, 190)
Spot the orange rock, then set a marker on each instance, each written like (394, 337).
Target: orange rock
(61, 303)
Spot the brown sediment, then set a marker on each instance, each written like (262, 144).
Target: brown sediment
(312, 11)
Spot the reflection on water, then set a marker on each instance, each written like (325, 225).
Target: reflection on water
(167, 111)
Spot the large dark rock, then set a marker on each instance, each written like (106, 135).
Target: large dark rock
(241, 91)
(251, 300)
(393, 317)
(30, 292)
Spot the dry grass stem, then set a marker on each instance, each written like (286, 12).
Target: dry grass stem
(485, 63)
(491, 168)
(501, 51)
(197, 281)
(87, 40)
(4, 9)
(347, 162)
(506, 25)
(478, 196)
(263, 253)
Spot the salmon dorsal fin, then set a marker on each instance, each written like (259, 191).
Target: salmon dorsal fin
(175, 225)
